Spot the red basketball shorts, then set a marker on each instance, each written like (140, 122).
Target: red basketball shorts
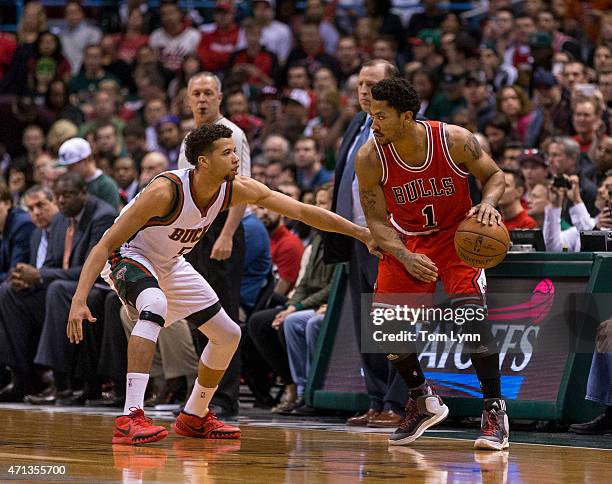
(459, 279)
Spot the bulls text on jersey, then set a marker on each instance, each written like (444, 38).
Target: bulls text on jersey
(422, 188)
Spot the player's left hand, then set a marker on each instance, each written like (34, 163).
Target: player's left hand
(222, 249)
(78, 313)
(485, 213)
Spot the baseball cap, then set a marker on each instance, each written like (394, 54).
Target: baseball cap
(430, 36)
(73, 151)
(246, 122)
(540, 39)
(543, 78)
(299, 96)
(533, 156)
(168, 119)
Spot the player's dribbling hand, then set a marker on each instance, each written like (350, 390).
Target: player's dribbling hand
(485, 213)
(78, 313)
(421, 267)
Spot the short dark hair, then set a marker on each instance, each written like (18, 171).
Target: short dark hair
(519, 179)
(513, 145)
(73, 179)
(499, 121)
(202, 139)
(134, 128)
(399, 93)
(507, 10)
(309, 138)
(106, 124)
(300, 64)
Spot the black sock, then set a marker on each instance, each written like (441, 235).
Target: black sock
(409, 368)
(491, 388)
(487, 370)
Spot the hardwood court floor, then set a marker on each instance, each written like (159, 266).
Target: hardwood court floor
(271, 452)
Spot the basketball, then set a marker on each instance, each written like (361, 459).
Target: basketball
(481, 246)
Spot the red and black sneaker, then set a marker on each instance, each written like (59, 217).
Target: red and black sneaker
(421, 413)
(207, 427)
(494, 428)
(135, 428)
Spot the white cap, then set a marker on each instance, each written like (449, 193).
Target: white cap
(300, 96)
(73, 151)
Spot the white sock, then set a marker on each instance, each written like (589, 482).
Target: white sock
(199, 399)
(136, 385)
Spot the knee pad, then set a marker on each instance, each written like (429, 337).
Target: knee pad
(223, 339)
(152, 306)
(147, 330)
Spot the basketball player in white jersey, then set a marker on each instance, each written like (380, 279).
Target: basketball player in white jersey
(141, 257)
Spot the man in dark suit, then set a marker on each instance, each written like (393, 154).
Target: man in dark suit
(41, 206)
(16, 227)
(73, 232)
(386, 389)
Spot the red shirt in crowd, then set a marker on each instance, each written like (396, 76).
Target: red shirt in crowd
(216, 48)
(286, 249)
(128, 45)
(265, 61)
(521, 221)
(585, 146)
(8, 46)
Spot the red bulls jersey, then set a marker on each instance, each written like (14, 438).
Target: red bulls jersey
(427, 198)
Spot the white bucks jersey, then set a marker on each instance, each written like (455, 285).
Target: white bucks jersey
(163, 239)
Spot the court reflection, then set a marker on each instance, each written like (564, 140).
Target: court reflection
(270, 452)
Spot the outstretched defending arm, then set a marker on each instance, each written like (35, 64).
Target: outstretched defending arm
(155, 201)
(465, 149)
(247, 190)
(369, 174)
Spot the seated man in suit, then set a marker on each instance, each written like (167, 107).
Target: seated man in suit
(41, 206)
(16, 227)
(73, 232)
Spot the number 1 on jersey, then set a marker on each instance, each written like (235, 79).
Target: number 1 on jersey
(430, 217)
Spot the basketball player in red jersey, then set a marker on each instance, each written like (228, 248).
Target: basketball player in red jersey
(413, 184)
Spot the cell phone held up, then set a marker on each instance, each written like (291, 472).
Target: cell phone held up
(560, 181)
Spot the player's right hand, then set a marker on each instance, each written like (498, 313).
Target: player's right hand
(421, 267)
(78, 313)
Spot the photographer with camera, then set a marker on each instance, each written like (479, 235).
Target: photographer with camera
(557, 239)
(563, 155)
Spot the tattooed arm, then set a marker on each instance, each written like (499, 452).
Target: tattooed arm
(369, 172)
(465, 149)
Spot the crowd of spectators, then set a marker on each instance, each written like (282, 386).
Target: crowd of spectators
(533, 79)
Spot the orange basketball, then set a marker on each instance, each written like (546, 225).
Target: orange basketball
(481, 246)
